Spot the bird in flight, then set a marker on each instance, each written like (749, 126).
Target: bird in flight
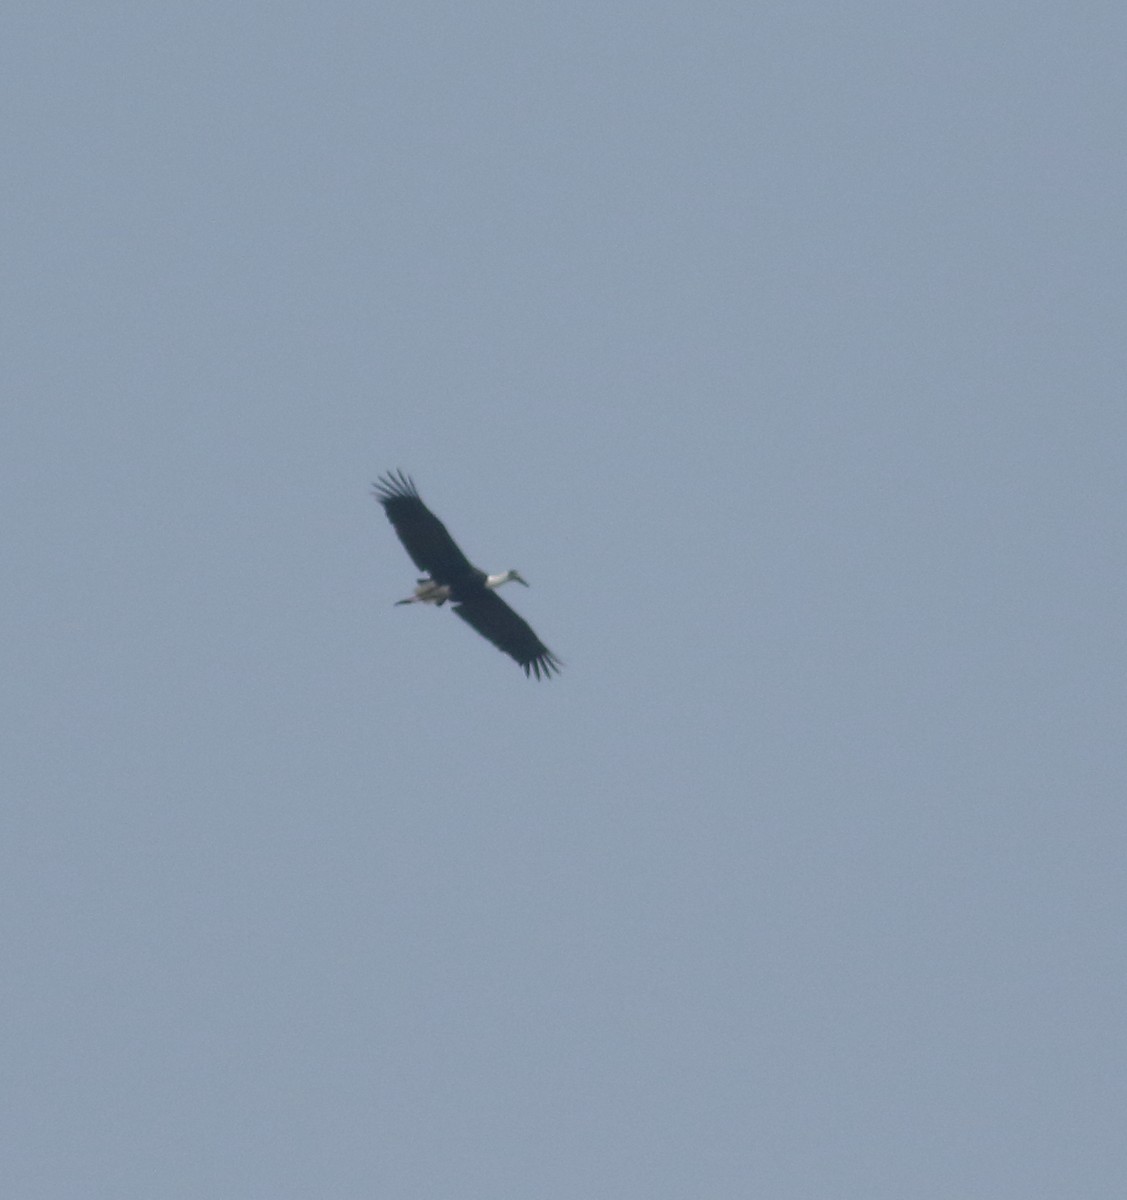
(451, 576)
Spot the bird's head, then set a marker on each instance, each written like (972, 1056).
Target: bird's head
(517, 577)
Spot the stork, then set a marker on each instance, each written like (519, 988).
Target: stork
(451, 576)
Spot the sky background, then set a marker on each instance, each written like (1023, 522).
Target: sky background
(782, 348)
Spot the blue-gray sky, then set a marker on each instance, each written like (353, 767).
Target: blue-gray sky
(782, 348)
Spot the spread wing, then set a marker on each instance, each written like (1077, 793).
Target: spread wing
(486, 612)
(423, 535)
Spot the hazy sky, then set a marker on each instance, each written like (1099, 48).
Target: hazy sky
(782, 348)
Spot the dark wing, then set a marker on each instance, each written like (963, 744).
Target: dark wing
(486, 612)
(423, 535)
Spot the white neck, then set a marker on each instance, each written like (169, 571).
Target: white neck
(495, 581)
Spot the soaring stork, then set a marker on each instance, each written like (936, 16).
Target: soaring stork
(451, 576)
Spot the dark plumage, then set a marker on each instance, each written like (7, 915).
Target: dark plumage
(451, 576)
